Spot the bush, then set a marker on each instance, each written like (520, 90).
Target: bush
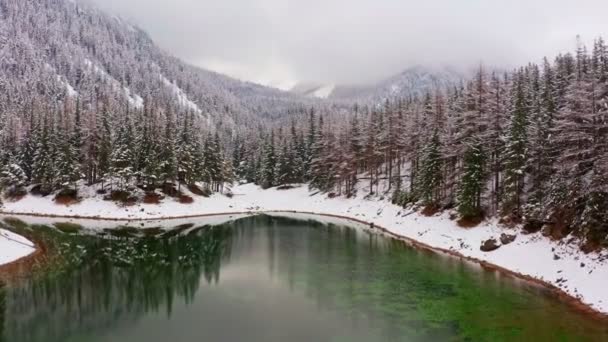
(15, 193)
(170, 190)
(42, 190)
(67, 196)
(121, 196)
(152, 198)
(183, 199)
(403, 198)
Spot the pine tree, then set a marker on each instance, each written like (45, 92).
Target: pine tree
(540, 159)
(43, 166)
(431, 172)
(103, 162)
(320, 167)
(68, 164)
(268, 167)
(168, 156)
(121, 155)
(12, 175)
(516, 149)
(284, 169)
(472, 183)
(310, 143)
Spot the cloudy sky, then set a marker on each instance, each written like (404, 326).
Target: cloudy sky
(357, 41)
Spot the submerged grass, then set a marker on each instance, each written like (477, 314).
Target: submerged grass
(68, 228)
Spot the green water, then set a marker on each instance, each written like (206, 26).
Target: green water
(269, 279)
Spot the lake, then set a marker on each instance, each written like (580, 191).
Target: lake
(266, 278)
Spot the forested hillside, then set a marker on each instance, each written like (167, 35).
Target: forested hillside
(530, 146)
(87, 96)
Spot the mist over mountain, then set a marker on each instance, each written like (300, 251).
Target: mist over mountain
(57, 52)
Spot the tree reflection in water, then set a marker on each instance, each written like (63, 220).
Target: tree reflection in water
(101, 281)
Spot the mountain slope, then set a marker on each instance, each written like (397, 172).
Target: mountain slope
(54, 52)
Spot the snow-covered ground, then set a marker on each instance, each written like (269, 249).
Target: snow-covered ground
(13, 247)
(563, 265)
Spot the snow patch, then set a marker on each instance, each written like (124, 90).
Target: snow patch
(13, 247)
(71, 92)
(324, 91)
(181, 96)
(135, 100)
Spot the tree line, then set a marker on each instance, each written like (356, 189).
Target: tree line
(530, 145)
(60, 149)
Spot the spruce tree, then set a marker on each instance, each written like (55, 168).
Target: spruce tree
(431, 172)
(268, 167)
(284, 170)
(516, 149)
(121, 156)
(472, 184)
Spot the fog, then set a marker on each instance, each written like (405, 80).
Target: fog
(279, 42)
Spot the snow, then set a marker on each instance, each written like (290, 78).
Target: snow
(13, 247)
(557, 263)
(134, 100)
(182, 98)
(70, 90)
(324, 91)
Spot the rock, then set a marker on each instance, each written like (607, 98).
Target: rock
(533, 226)
(489, 245)
(582, 264)
(506, 239)
(556, 257)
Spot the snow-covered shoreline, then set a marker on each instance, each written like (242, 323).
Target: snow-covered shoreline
(14, 247)
(561, 265)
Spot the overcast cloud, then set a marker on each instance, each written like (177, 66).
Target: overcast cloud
(357, 41)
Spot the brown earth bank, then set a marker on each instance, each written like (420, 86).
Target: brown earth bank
(23, 266)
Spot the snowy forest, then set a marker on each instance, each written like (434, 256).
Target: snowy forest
(529, 146)
(87, 100)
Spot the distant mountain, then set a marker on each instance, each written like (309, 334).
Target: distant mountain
(57, 52)
(412, 82)
(315, 90)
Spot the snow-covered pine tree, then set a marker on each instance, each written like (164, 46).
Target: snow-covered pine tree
(121, 163)
(269, 161)
(320, 166)
(431, 172)
(310, 143)
(104, 149)
(284, 169)
(298, 152)
(168, 155)
(516, 149)
(497, 116)
(472, 183)
(541, 155)
(68, 163)
(12, 176)
(43, 165)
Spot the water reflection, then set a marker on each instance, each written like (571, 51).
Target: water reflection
(105, 281)
(270, 279)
